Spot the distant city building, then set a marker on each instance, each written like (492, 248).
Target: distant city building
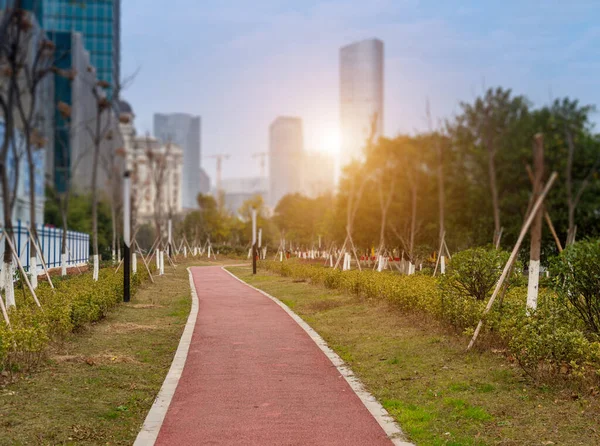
(361, 96)
(286, 149)
(184, 130)
(318, 174)
(98, 21)
(144, 157)
(147, 164)
(238, 190)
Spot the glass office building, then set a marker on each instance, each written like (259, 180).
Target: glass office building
(99, 22)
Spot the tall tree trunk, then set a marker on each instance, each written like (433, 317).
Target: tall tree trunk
(6, 272)
(413, 221)
(97, 142)
(494, 191)
(536, 226)
(441, 190)
(32, 212)
(64, 255)
(113, 217)
(569, 186)
(382, 230)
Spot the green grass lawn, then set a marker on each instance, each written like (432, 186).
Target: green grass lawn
(420, 372)
(97, 386)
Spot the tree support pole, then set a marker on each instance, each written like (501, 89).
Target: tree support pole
(513, 255)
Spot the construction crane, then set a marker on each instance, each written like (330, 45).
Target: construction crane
(263, 157)
(219, 158)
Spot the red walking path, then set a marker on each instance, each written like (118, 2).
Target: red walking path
(253, 376)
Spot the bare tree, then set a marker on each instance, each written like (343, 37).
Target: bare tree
(102, 133)
(158, 165)
(112, 163)
(385, 201)
(62, 194)
(23, 66)
(35, 71)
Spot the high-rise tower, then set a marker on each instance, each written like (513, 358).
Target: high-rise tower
(361, 96)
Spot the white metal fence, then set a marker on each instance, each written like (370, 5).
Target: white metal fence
(50, 244)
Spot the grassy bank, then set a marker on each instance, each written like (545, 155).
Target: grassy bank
(97, 386)
(420, 372)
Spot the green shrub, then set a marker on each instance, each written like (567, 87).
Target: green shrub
(576, 273)
(549, 339)
(474, 272)
(76, 301)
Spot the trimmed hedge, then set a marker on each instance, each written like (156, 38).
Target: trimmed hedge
(76, 301)
(549, 340)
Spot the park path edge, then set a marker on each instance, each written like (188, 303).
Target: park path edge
(154, 420)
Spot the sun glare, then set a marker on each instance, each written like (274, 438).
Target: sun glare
(331, 141)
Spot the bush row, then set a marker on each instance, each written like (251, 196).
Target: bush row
(552, 339)
(75, 302)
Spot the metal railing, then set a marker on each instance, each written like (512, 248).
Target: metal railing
(50, 244)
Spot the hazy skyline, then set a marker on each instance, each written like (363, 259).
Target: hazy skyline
(240, 66)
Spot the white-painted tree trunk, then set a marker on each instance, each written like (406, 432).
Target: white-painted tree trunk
(195, 252)
(533, 285)
(162, 263)
(114, 256)
(96, 272)
(185, 252)
(281, 256)
(33, 273)
(331, 261)
(209, 251)
(250, 253)
(411, 268)
(63, 265)
(134, 263)
(380, 263)
(7, 284)
(158, 260)
(443, 264)
(347, 262)
(119, 255)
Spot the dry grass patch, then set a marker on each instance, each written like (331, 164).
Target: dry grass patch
(105, 358)
(144, 306)
(125, 327)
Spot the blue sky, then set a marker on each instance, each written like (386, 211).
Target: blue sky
(241, 63)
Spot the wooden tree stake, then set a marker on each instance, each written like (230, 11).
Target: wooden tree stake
(21, 269)
(513, 255)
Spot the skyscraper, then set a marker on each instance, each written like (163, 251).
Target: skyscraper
(99, 22)
(286, 148)
(184, 130)
(70, 159)
(361, 96)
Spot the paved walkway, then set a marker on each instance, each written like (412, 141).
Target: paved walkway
(253, 376)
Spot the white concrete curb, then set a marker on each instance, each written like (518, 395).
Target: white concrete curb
(156, 416)
(387, 423)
